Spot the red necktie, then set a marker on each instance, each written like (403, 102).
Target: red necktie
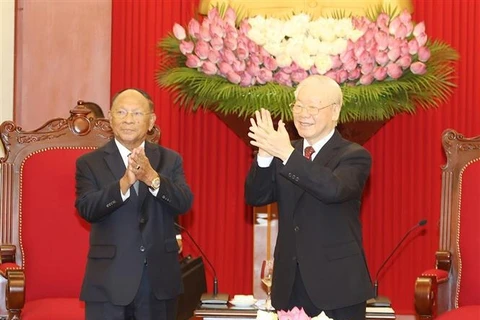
(308, 152)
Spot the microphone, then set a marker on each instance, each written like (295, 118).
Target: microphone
(379, 301)
(215, 298)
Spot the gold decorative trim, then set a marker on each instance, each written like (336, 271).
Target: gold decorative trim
(460, 188)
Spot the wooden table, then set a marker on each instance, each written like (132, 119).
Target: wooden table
(230, 312)
(225, 311)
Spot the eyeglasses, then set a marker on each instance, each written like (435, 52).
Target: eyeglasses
(137, 115)
(297, 108)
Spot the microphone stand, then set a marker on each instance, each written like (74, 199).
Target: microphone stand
(209, 298)
(380, 301)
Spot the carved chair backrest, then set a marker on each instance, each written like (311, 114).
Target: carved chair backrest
(460, 215)
(37, 200)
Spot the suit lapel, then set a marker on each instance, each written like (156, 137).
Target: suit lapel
(328, 150)
(323, 157)
(114, 160)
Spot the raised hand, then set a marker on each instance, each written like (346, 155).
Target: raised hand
(140, 165)
(268, 140)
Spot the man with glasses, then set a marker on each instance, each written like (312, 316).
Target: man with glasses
(131, 191)
(319, 261)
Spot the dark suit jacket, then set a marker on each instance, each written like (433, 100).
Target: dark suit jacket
(319, 227)
(124, 234)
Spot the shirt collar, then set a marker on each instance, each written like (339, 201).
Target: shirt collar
(317, 146)
(124, 152)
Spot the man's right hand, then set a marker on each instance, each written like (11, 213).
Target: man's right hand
(128, 178)
(263, 121)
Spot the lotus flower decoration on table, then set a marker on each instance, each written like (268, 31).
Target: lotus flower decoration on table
(383, 61)
(294, 314)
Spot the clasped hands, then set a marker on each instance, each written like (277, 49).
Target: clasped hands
(270, 142)
(138, 168)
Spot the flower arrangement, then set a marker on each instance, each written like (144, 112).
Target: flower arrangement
(294, 314)
(384, 62)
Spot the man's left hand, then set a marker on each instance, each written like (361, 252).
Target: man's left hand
(143, 169)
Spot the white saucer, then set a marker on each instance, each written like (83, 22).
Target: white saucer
(243, 303)
(261, 305)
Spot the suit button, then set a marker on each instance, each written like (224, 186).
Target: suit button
(296, 229)
(142, 220)
(142, 248)
(294, 258)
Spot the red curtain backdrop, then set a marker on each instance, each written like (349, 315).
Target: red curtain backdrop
(405, 182)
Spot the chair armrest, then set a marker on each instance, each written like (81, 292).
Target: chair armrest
(7, 253)
(15, 290)
(428, 285)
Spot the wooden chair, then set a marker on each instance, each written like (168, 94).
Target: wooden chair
(454, 282)
(44, 242)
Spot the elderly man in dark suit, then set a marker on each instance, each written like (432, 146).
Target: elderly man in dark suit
(318, 183)
(130, 191)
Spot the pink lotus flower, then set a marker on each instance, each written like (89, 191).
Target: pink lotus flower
(247, 80)
(366, 79)
(225, 68)
(298, 75)
(228, 56)
(193, 61)
(217, 31)
(283, 78)
(264, 76)
(252, 68)
(382, 40)
(242, 51)
(230, 42)
(216, 43)
(354, 74)
(270, 63)
(294, 314)
(213, 56)
(342, 76)
(179, 32)
(367, 68)
(230, 16)
(413, 46)
(401, 32)
(404, 61)
(382, 22)
(393, 54)
(394, 71)
(201, 49)
(205, 32)
(194, 28)
(186, 47)
(381, 58)
(421, 39)
(238, 66)
(418, 68)
(419, 29)
(209, 68)
(234, 77)
(424, 54)
(380, 73)
(336, 62)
